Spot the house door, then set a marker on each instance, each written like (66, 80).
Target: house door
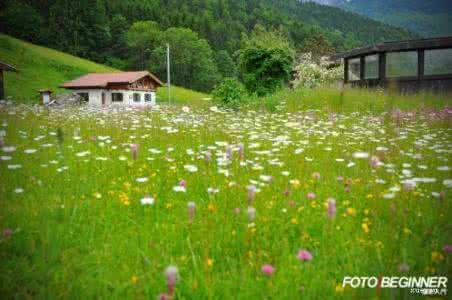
(103, 98)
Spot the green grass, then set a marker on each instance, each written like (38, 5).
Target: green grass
(80, 232)
(180, 95)
(353, 99)
(41, 67)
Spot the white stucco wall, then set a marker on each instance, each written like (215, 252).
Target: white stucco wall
(95, 97)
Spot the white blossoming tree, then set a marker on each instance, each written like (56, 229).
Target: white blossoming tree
(311, 74)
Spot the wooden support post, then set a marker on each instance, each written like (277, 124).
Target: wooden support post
(382, 69)
(420, 63)
(362, 70)
(345, 70)
(2, 89)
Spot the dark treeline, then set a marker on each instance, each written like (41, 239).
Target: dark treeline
(205, 34)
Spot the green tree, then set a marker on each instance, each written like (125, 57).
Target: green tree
(80, 27)
(142, 38)
(265, 61)
(318, 45)
(225, 64)
(118, 50)
(23, 21)
(230, 92)
(192, 59)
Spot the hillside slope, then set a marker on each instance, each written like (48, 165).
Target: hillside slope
(365, 30)
(428, 18)
(41, 67)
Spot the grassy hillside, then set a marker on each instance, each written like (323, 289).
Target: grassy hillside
(41, 67)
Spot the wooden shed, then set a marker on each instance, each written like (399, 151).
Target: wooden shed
(3, 68)
(411, 65)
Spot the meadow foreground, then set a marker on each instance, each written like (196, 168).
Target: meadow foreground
(97, 203)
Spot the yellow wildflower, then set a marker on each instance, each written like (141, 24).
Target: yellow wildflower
(295, 183)
(211, 207)
(365, 227)
(124, 198)
(436, 256)
(339, 288)
(209, 262)
(351, 211)
(134, 279)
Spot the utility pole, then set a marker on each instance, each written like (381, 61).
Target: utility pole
(168, 71)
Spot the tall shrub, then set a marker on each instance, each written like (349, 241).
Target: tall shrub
(265, 61)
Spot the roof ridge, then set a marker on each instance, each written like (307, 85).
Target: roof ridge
(104, 79)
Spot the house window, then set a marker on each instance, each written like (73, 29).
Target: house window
(85, 96)
(354, 69)
(136, 97)
(438, 62)
(147, 97)
(371, 67)
(401, 64)
(116, 97)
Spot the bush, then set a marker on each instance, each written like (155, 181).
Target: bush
(265, 61)
(230, 92)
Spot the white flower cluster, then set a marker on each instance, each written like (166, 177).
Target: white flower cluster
(311, 74)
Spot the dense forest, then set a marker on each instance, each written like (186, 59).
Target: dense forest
(428, 18)
(205, 35)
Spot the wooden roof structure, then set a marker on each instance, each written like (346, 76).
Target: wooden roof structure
(430, 43)
(426, 65)
(104, 80)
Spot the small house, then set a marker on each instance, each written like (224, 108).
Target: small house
(45, 96)
(4, 67)
(411, 65)
(123, 88)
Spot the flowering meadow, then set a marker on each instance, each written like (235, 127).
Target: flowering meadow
(206, 203)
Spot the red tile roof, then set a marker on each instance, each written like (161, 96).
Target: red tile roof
(104, 79)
